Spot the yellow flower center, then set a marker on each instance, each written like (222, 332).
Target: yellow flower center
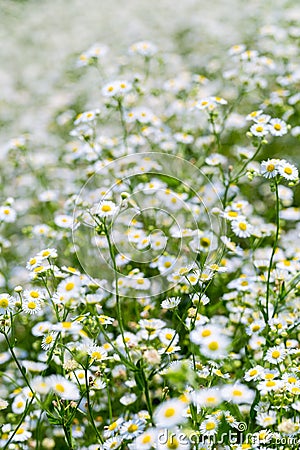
(269, 376)
(210, 426)
(34, 294)
(259, 129)
(213, 346)
(243, 226)
(270, 167)
(70, 286)
(96, 355)
(169, 412)
(49, 339)
(237, 393)
(146, 439)
(270, 383)
(275, 354)
(59, 387)
(31, 305)
(205, 242)
(288, 170)
(277, 126)
(172, 443)
(4, 303)
(112, 426)
(206, 333)
(132, 428)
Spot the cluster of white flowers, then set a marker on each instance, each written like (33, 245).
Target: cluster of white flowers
(150, 257)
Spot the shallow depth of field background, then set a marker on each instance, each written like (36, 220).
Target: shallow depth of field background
(40, 39)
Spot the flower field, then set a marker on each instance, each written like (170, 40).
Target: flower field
(150, 225)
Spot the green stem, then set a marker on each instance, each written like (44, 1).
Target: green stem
(273, 251)
(121, 110)
(118, 303)
(88, 399)
(18, 364)
(68, 434)
(19, 424)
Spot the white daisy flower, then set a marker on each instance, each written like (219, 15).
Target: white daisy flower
(209, 426)
(207, 398)
(269, 385)
(64, 221)
(19, 404)
(132, 428)
(48, 340)
(254, 114)
(269, 168)
(64, 388)
(266, 419)
(146, 441)
(169, 413)
(116, 88)
(112, 443)
(7, 303)
(276, 354)
(259, 129)
(277, 127)
(106, 208)
(254, 373)
(237, 393)
(21, 435)
(215, 347)
(288, 171)
(69, 288)
(170, 303)
(7, 214)
(168, 335)
(47, 253)
(143, 48)
(33, 263)
(35, 294)
(241, 228)
(172, 439)
(262, 118)
(97, 353)
(31, 306)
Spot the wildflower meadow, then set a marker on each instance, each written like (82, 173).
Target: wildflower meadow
(150, 225)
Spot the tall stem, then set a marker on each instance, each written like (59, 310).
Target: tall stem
(88, 399)
(118, 303)
(273, 251)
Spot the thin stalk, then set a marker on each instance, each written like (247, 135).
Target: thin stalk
(118, 303)
(88, 399)
(273, 251)
(19, 424)
(18, 364)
